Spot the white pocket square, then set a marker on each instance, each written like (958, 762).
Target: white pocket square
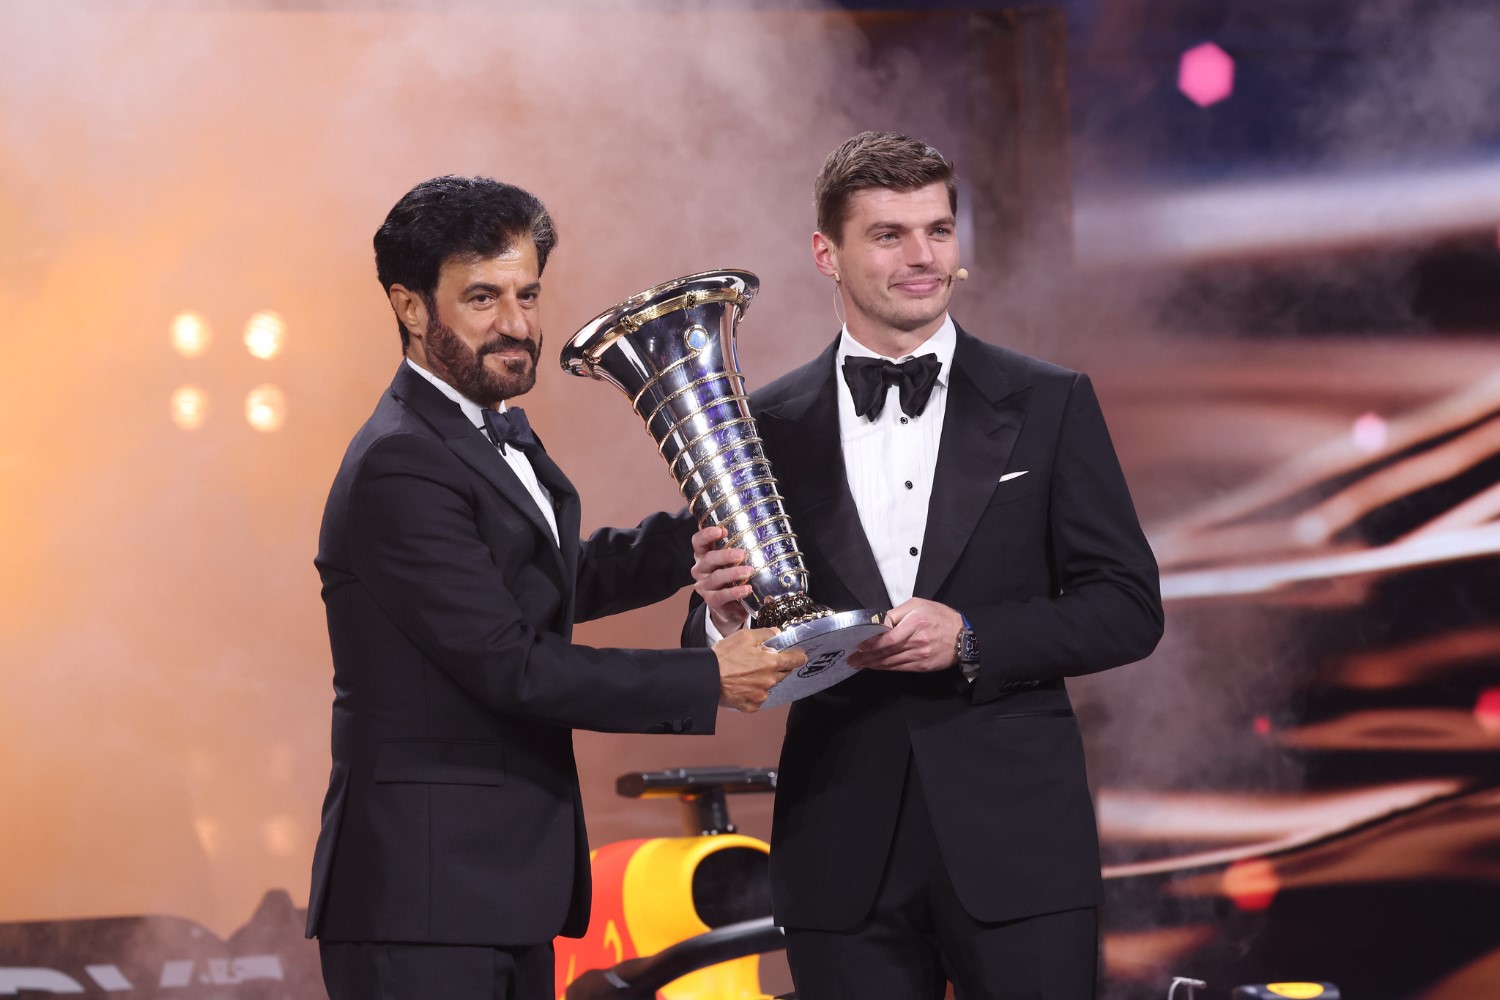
(1013, 475)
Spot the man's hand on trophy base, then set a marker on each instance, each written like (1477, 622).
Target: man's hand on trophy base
(719, 577)
(748, 670)
(923, 637)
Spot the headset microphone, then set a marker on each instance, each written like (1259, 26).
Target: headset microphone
(962, 274)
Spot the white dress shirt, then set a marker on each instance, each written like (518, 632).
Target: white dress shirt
(890, 463)
(514, 457)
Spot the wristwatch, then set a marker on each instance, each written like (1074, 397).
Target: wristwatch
(967, 646)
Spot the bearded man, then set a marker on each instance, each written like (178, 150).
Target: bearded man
(453, 846)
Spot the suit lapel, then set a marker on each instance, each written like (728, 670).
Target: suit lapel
(478, 453)
(567, 507)
(985, 412)
(809, 461)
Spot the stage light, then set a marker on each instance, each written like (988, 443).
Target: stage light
(210, 835)
(281, 836)
(1369, 433)
(1252, 884)
(190, 334)
(1205, 74)
(265, 334)
(265, 408)
(1487, 711)
(189, 407)
(1263, 725)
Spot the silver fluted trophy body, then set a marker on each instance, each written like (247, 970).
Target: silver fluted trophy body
(671, 350)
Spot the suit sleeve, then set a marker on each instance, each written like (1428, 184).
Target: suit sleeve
(623, 569)
(422, 559)
(695, 627)
(1107, 610)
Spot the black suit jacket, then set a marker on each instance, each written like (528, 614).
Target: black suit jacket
(453, 812)
(1054, 574)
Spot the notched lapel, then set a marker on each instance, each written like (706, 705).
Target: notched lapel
(978, 437)
(566, 506)
(479, 454)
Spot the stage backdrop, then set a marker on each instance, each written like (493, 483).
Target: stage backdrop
(1300, 783)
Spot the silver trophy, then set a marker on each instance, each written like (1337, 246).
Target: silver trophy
(671, 350)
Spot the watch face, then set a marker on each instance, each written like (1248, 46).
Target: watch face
(968, 647)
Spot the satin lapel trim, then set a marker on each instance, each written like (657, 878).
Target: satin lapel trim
(811, 458)
(978, 437)
(566, 506)
(479, 454)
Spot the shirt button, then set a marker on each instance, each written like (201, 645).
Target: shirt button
(908, 484)
(904, 420)
(913, 550)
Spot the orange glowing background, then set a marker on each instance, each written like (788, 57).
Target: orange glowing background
(193, 331)
(166, 674)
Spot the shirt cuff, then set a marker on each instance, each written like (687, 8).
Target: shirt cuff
(711, 630)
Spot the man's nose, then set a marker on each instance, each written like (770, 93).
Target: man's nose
(510, 320)
(919, 251)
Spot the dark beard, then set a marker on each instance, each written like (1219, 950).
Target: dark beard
(465, 370)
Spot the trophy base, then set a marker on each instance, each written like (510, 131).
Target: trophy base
(826, 641)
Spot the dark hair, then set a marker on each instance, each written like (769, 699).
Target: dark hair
(463, 217)
(876, 160)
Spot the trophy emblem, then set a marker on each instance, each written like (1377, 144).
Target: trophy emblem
(671, 350)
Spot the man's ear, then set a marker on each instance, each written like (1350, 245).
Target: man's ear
(825, 255)
(411, 310)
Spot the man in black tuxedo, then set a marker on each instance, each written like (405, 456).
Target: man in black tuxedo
(933, 820)
(453, 846)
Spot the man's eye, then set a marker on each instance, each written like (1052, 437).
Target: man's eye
(482, 300)
(942, 231)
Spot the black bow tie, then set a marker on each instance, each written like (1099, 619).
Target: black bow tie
(869, 378)
(511, 428)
